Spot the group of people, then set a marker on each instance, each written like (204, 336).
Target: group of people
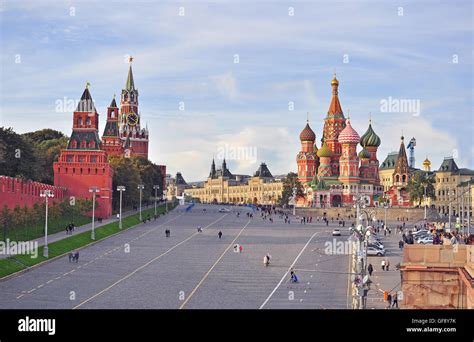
(70, 228)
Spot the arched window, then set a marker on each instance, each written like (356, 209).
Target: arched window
(404, 178)
(79, 121)
(92, 144)
(397, 178)
(88, 121)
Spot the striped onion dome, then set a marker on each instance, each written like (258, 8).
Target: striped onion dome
(348, 134)
(324, 151)
(364, 154)
(370, 138)
(307, 134)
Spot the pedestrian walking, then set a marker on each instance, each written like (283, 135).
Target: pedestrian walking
(389, 301)
(219, 234)
(383, 265)
(387, 265)
(395, 301)
(370, 268)
(400, 244)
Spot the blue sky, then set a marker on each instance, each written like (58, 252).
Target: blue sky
(47, 55)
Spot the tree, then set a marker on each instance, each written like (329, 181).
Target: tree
(5, 221)
(18, 156)
(416, 186)
(291, 181)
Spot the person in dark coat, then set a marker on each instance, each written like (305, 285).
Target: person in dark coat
(370, 268)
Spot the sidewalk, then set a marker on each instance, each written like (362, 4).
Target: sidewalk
(389, 281)
(87, 227)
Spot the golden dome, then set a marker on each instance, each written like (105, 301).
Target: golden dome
(334, 81)
(426, 162)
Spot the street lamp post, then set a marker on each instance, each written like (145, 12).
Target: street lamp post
(469, 201)
(449, 218)
(140, 187)
(425, 186)
(165, 195)
(120, 189)
(156, 187)
(46, 194)
(294, 201)
(94, 190)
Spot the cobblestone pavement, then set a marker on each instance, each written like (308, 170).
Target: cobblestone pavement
(141, 268)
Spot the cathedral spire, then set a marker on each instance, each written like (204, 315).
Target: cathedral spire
(335, 106)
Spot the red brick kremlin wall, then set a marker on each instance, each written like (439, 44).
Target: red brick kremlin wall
(16, 191)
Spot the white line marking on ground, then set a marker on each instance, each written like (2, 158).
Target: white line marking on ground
(286, 273)
(214, 265)
(143, 266)
(49, 281)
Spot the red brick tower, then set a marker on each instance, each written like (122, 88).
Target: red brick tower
(307, 159)
(111, 142)
(349, 161)
(130, 132)
(83, 165)
(334, 123)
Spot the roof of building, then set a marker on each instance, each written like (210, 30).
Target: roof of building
(364, 154)
(324, 151)
(263, 171)
(130, 85)
(88, 137)
(86, 104)
(390, 161)
(369, 138)
(401, 166)
(111, 129)
(448, 165)
(348, 134)
(307, 134)
(113, 104)
(335, 106)
(179, 179)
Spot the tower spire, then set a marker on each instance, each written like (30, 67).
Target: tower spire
(130, 85)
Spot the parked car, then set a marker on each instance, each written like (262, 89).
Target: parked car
(224, 210)
(375, 251)
(426, 240)
(375, 246)
(336, 232)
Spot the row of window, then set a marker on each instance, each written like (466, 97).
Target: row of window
(81, 159)
(82, 170)
(83, 144)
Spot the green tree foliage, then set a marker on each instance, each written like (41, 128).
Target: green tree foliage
(416, 186)
(18, 155)
(30, 155)
(131, 172)
(290, 181)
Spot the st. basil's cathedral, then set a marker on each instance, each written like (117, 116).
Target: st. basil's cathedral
(335, 173)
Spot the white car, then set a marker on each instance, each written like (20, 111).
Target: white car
(336, 232)
(224, 210)
(427, 240)
(375, 251)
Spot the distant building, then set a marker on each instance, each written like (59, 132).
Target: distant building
(224, 187)
(176, 186)
(453, 185)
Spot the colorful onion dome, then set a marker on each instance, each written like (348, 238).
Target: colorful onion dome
(364, 154)
(324, 151)
(348, 134)
(370, 138)
(307, 134)
(334, 81)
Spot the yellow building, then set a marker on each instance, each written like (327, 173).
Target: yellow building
(224, 187)
(453, 185)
